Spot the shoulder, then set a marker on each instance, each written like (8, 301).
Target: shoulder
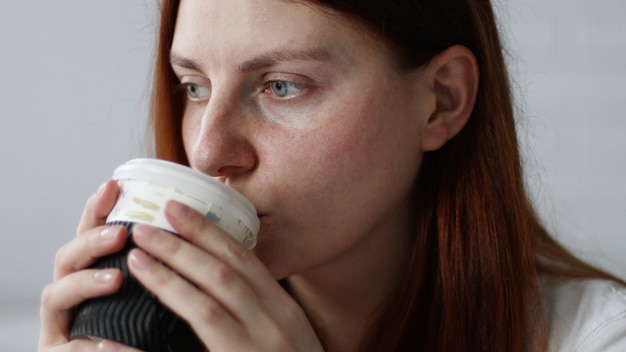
(585, 315)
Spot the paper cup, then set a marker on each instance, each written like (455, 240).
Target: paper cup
(133, 316)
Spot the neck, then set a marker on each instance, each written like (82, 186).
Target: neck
(342, 298)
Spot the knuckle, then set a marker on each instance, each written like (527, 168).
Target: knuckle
(47, 295)
(60, 258)
(67, 257)
(172, 245)
(91, 201)
(222, 274)
(209, 313)
(238, 252)
(280, 340)
(294, 313)
(162, 277)
(198, 226)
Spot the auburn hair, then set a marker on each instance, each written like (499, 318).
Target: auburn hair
(479, 249)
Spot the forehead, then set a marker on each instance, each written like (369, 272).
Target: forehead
(244, 20)
(238, 28)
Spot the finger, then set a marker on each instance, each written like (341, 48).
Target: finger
(85, 345)
(98, 206)
(217, 325)
(211, 321)
(207, 272)
(82, 345)
(86, 249)
(59, 297)
(110, 346)
(197, 229)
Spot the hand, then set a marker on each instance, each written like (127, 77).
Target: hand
(72, 283)
(218, 286)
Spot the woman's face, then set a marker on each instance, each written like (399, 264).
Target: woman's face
(303, 112)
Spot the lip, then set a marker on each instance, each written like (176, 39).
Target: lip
(263, 218)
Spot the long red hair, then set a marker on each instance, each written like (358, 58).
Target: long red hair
(479, 249)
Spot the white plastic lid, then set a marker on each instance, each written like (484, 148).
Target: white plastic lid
(191, 182)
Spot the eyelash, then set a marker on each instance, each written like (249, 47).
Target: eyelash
(268, 88)
(184, 88)
(270, 85)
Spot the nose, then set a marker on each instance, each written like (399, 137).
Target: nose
(221, 145)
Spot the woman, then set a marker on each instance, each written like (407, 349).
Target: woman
(377, 142)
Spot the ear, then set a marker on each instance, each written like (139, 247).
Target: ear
(454, 77)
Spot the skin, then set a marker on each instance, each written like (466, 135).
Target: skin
(329, 167)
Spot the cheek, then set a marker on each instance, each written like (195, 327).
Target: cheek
(367, 146)
(189, 136)
(191, 128)
(334, 184)
(373, 139)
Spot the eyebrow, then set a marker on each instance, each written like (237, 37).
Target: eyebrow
(271, 59)
(262, 61)
(182, 62)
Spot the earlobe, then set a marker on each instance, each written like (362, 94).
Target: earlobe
(455, 78)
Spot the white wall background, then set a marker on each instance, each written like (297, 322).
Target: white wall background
(73, 103)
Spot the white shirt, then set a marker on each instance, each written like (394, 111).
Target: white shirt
(585, 315)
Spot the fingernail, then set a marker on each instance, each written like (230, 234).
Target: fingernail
(105, 276)
(140, 260)
(145, 233)
(108, 346)
(177, 210)
(107, 233)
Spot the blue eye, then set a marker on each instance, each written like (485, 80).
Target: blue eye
(196, 91)
(284, 89)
